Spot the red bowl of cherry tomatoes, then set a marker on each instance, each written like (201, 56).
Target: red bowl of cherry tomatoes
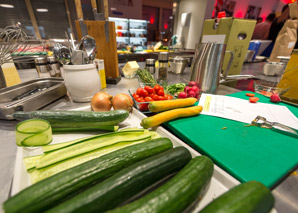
(144, 95)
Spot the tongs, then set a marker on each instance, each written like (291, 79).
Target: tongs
(260, 121)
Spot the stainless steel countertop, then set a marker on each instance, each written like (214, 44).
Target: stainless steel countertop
(286, 193)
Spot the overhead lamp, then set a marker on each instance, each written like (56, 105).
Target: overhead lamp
(42, 10)
(7, 5)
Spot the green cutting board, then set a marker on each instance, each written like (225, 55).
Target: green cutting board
(246, 152)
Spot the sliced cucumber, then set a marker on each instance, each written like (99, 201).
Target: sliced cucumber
(34, 132)
(30, 162)
(40, 174)
(91, 145)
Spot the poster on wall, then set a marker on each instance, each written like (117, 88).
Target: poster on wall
(224, 5)
(252, 12)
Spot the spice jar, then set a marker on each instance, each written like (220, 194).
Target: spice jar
(150, 65)
(54, 67)
(163, 67)
(42, 67)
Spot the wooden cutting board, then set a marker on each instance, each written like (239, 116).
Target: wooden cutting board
(246, 152)
(105, 50)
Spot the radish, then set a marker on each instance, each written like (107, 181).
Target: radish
(275, 98)
(186, 89)
(195, 89)
(182, 95)
(192, 83)
(192, 94)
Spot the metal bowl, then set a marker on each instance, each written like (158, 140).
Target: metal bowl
(178, 64)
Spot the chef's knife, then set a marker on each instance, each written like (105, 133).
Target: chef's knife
(101, 12)
(80, 17)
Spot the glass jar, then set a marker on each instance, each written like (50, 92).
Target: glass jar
(163, 68)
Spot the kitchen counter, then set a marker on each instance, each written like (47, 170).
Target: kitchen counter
(285, 193)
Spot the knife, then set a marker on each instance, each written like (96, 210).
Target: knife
(101, 12)
(80, 17)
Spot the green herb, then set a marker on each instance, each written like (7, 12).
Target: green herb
(175, 88)
(146, 77)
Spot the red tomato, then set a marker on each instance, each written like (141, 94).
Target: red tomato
(161, 98)
(156, 88)
(135, 96)
(169, 97)
(145, 93)
(148, 99)
(149, 89)
(160, 92)
(161, 88)
(253, 99)
(140, 99)
(155, 97)
(143, 106)
(139, 91)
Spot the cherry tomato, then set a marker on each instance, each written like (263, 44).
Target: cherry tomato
(139, 91)
(253, 99)
(135, 96)
(161, 88)
(169, 97)
(156, 88)
(143, 106)
(148, 99)
(140, 99)
(161, 98)
(155, 97)
(250, 94)
(160, 92)
(149, 89)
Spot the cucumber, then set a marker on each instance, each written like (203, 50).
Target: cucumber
(40, 174)
(247, 197)
(110, 128)
(31, 161)
(126, 183)
(48, 193)
(33, 132)
(75, 119)
(178, 193)
(90, 145)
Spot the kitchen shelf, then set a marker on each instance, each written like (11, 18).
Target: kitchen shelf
(135, 31)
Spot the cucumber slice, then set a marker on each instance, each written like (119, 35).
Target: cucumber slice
(34, 132)
(90, 145)
(31, 161)
(40, 174)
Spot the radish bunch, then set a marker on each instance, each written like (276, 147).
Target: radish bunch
(190, 91)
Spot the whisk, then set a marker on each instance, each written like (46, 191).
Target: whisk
(14, 42)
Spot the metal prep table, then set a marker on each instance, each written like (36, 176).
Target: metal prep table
(286, 193)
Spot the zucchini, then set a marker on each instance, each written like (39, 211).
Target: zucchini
(49, 192)
(247, 197)
(33, 132)
(90, 145)
(75, 119)
(40, 174)
(178, 193)
(126, 183)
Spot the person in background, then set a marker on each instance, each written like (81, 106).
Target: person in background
(276, 26)
(261, 31)
(259, 20)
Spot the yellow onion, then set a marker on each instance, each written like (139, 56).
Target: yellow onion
(122, 101)
(101, 102)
